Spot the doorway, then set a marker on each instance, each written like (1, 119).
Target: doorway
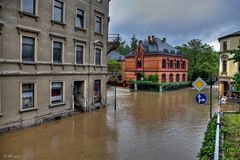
(78, 93)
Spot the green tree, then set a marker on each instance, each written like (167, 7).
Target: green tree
(133, 42)
(236, 59)
(114, 67)
(202, 59)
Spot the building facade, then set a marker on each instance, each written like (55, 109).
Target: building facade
(227, 68)
(53, 59)
(156, 56)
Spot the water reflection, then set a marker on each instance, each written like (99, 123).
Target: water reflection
(146, 125)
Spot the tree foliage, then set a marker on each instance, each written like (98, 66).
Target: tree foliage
(114, 67)
(202, 59)
(236, 59)
(124, 48)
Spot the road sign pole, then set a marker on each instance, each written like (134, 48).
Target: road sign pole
(211, 97)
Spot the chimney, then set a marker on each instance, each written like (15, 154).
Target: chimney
(164, 40)
(149, 39)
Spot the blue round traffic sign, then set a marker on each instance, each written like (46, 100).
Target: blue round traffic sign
(201, 98)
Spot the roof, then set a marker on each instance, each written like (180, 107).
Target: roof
(158, 46)
(230, 35)
(114, 55)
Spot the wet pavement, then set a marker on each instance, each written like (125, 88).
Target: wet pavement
(145, 126)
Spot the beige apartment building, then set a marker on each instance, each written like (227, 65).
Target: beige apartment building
(227, 68)
(52, 59)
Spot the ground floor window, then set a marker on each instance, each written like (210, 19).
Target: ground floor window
(27, 95)
(57, 92)
(164, 78)
(97, 91)
(177, 78)
(183, 77)
(171, 78)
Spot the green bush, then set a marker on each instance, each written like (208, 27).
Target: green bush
(208, 144)
(153, 86)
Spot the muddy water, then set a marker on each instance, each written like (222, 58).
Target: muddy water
(146, 126)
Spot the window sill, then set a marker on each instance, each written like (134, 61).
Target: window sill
(98, 34)
(80, 29)
(58, 23)
(56, 105)
(22, 13)
(28, 109)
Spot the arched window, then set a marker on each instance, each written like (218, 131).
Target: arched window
(177, 78)
(164, 78)
(164, 63)
(171, 77)
(183, 77)
(183, 65)
(178, 65)
(139, 64)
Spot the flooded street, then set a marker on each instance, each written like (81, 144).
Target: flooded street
(146, 126)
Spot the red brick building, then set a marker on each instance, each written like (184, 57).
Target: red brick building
(156, 56)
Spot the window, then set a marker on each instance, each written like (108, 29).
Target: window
(183, 77)
(57, 92)
(57, 52)
(178, 65)
(58, 11)
(80, 19)
(183, 65)
(97, 91)
(177, 78)
(224, 65)
(139, 63)
(171, 64)
(27, 95)
(163, 63)
(28, 49)
(171, 78)
(29, 6)
(225, 46)
(98, 25)
(79, 54)
(164, 78)
(98, 56)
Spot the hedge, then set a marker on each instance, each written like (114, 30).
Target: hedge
(152, 86)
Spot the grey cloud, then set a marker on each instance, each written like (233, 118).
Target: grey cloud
(178, 20)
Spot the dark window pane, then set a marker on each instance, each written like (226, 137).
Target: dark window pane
(177, 78)
(183, 77)
(80, 18)
(164, 78)
(79, 55)
(171, 64)
(27, 96)
(57, 52)
(164, 63)
(27, 49)
(171, 78)
(98, 26)
(28, 6)
(98, 56)
(97, 91)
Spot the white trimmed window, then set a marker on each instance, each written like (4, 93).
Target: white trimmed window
(79, 57)
(98, 56)
(57, 93)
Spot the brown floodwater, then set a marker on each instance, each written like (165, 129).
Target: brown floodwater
(145, 126)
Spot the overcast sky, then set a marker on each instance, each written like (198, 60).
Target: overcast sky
(177, 20)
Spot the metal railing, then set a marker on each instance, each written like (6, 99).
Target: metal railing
(217, 138)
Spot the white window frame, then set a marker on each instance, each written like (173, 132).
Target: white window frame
(63, 48)
(101, 49)
(53, 3)
(84, 18)
(63, 92)
(35, 37)
(34, 98)
(75, 55)
(36, 8)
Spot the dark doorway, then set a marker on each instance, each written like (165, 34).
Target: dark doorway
(138, 76)
(78, 92)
